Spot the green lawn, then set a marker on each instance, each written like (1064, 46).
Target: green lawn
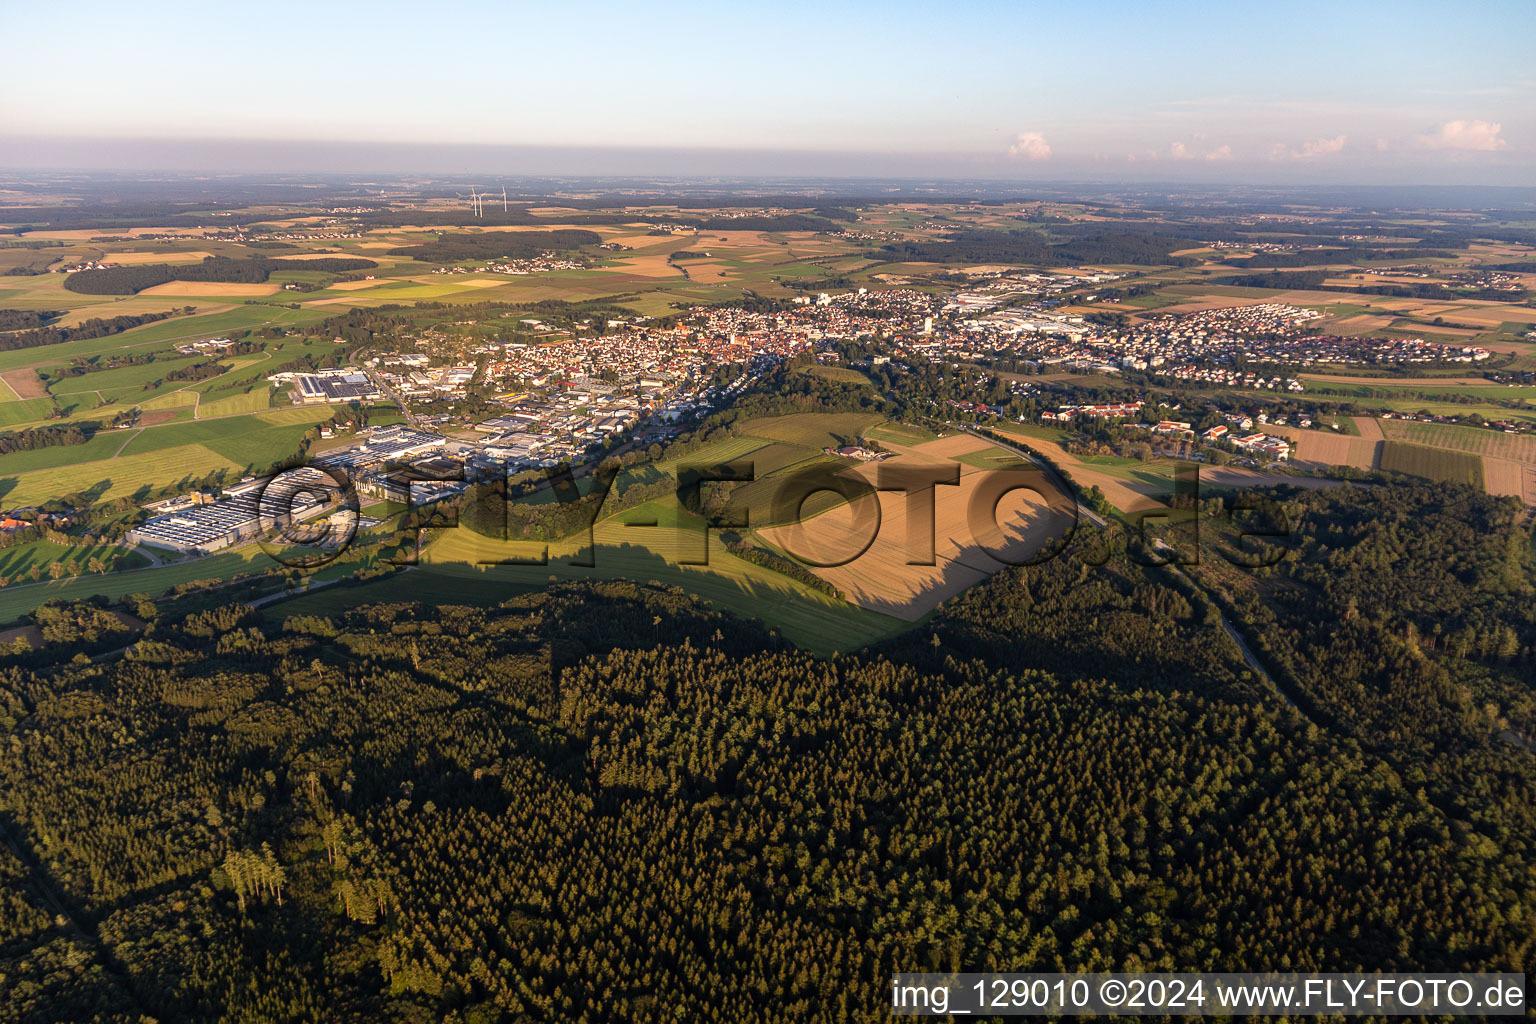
(26, 410)
(113, 478)
(103, 445)
(243, 440)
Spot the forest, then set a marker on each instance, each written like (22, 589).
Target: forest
(34, 438)
(604, 802)
(26, 319)
(129, 280)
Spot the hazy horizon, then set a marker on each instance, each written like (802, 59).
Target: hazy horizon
(1370, 93)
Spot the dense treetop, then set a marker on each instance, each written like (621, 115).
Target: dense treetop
(603, 802)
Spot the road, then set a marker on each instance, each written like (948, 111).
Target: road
(389, 392)
(283, 595)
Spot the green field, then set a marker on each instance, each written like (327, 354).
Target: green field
(839, 374)
(992, 458)
(900, 433)
(123, 382)
(303, 414)
(114, 478)
(174, 400)
(25, 410)
(258, 400)
(243, 440)
(1432, 392)
(426, 585)
(1432, 463)
(103, 445)
(1043, 433)
(1413, 405)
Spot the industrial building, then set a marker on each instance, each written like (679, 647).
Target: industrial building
(382, 444)
(335, 386)
(240, 515)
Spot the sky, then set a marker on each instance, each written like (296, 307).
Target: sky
(1297, 92)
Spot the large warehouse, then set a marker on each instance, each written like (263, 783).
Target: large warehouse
(236, 517)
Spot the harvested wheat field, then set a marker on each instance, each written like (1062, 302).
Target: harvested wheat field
(1370, 429)
(705, 271)
(1319, 448)
(1501, 476)
(301, 256)
(26, 383)
(127, 258)
(465, 281)
(1394, 382)
(649, 265)
(1365, 323)
(987, 512)
(210, 288)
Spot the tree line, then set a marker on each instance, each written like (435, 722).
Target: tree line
(96, 327)
(128, 280)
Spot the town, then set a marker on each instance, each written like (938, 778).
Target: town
(563, 395)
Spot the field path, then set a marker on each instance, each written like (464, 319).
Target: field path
(135, 432)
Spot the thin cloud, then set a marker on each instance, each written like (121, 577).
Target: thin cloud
(1483, 136)
(1310, 150)
(1321, 147)
(1030, 146)
(1179, 151)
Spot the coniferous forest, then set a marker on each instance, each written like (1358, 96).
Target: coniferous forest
(604, 802)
